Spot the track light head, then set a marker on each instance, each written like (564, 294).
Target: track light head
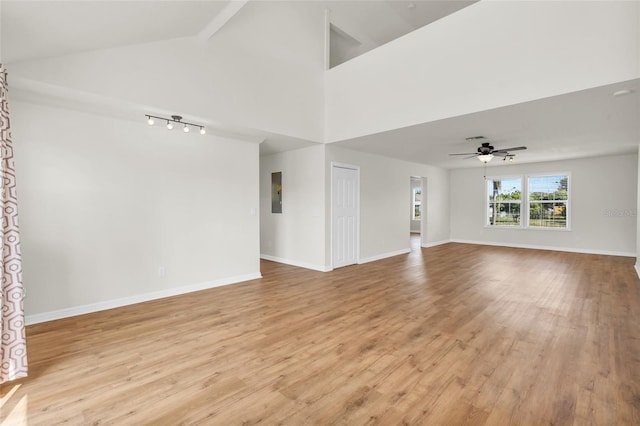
(186, 127)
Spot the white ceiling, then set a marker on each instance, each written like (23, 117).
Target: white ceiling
(40, 29)
(581, 124)
(374, 23)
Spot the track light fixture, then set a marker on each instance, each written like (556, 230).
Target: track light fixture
(175, 119)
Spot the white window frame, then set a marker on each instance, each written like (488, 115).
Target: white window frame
(524, 202)
(416, 203)
(488, 202)
(569, 196)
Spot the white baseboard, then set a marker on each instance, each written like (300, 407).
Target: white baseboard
(384, 256)
(637, 266)
(435, 243)
(296, 263)
(131, 300)
(552, 248)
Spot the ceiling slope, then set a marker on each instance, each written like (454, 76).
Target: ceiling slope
(41, 29)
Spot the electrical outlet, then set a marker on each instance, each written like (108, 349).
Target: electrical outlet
(161, 272)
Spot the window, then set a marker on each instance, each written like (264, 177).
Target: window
(544, 201)
(276, 192)
(505, 197)
(417, 203)
(548, 201)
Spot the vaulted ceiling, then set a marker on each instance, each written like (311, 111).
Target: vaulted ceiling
(586, 123)
(42, 28)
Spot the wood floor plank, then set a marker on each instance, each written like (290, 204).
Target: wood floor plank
(454, 334)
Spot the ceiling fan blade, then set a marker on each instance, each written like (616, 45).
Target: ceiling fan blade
(471, 156)
(500, 153)
(517, 148)
(466, 153)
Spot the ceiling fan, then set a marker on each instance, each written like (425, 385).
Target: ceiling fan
(486, 152)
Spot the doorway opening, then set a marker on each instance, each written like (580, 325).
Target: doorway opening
(417, 211)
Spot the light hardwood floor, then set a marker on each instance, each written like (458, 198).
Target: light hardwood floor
(455, 334)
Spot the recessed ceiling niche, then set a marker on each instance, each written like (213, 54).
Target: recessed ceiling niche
(342, 46)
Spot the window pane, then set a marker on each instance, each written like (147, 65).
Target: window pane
(548, 188)
(504, 189)
(417, 203)
(548, 197)
(504, 213)
(504, 201)
(548, 214)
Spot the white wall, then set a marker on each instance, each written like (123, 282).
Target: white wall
(301, 235)
(262, 71)
(297, 235)
(603, 199)
(638, 219)
(487, 55)
(384, 222)
(105, 202)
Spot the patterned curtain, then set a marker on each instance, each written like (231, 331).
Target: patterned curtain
(13, 347)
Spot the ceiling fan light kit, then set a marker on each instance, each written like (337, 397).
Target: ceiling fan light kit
(486, 152)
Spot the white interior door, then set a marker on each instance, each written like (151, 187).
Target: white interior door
(344, 215)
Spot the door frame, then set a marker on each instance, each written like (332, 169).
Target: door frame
(356, 168)
(423, 212)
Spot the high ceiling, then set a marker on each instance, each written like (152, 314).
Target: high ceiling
(34, 29)
(40, 29)
(365, 25)
(581, 124)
